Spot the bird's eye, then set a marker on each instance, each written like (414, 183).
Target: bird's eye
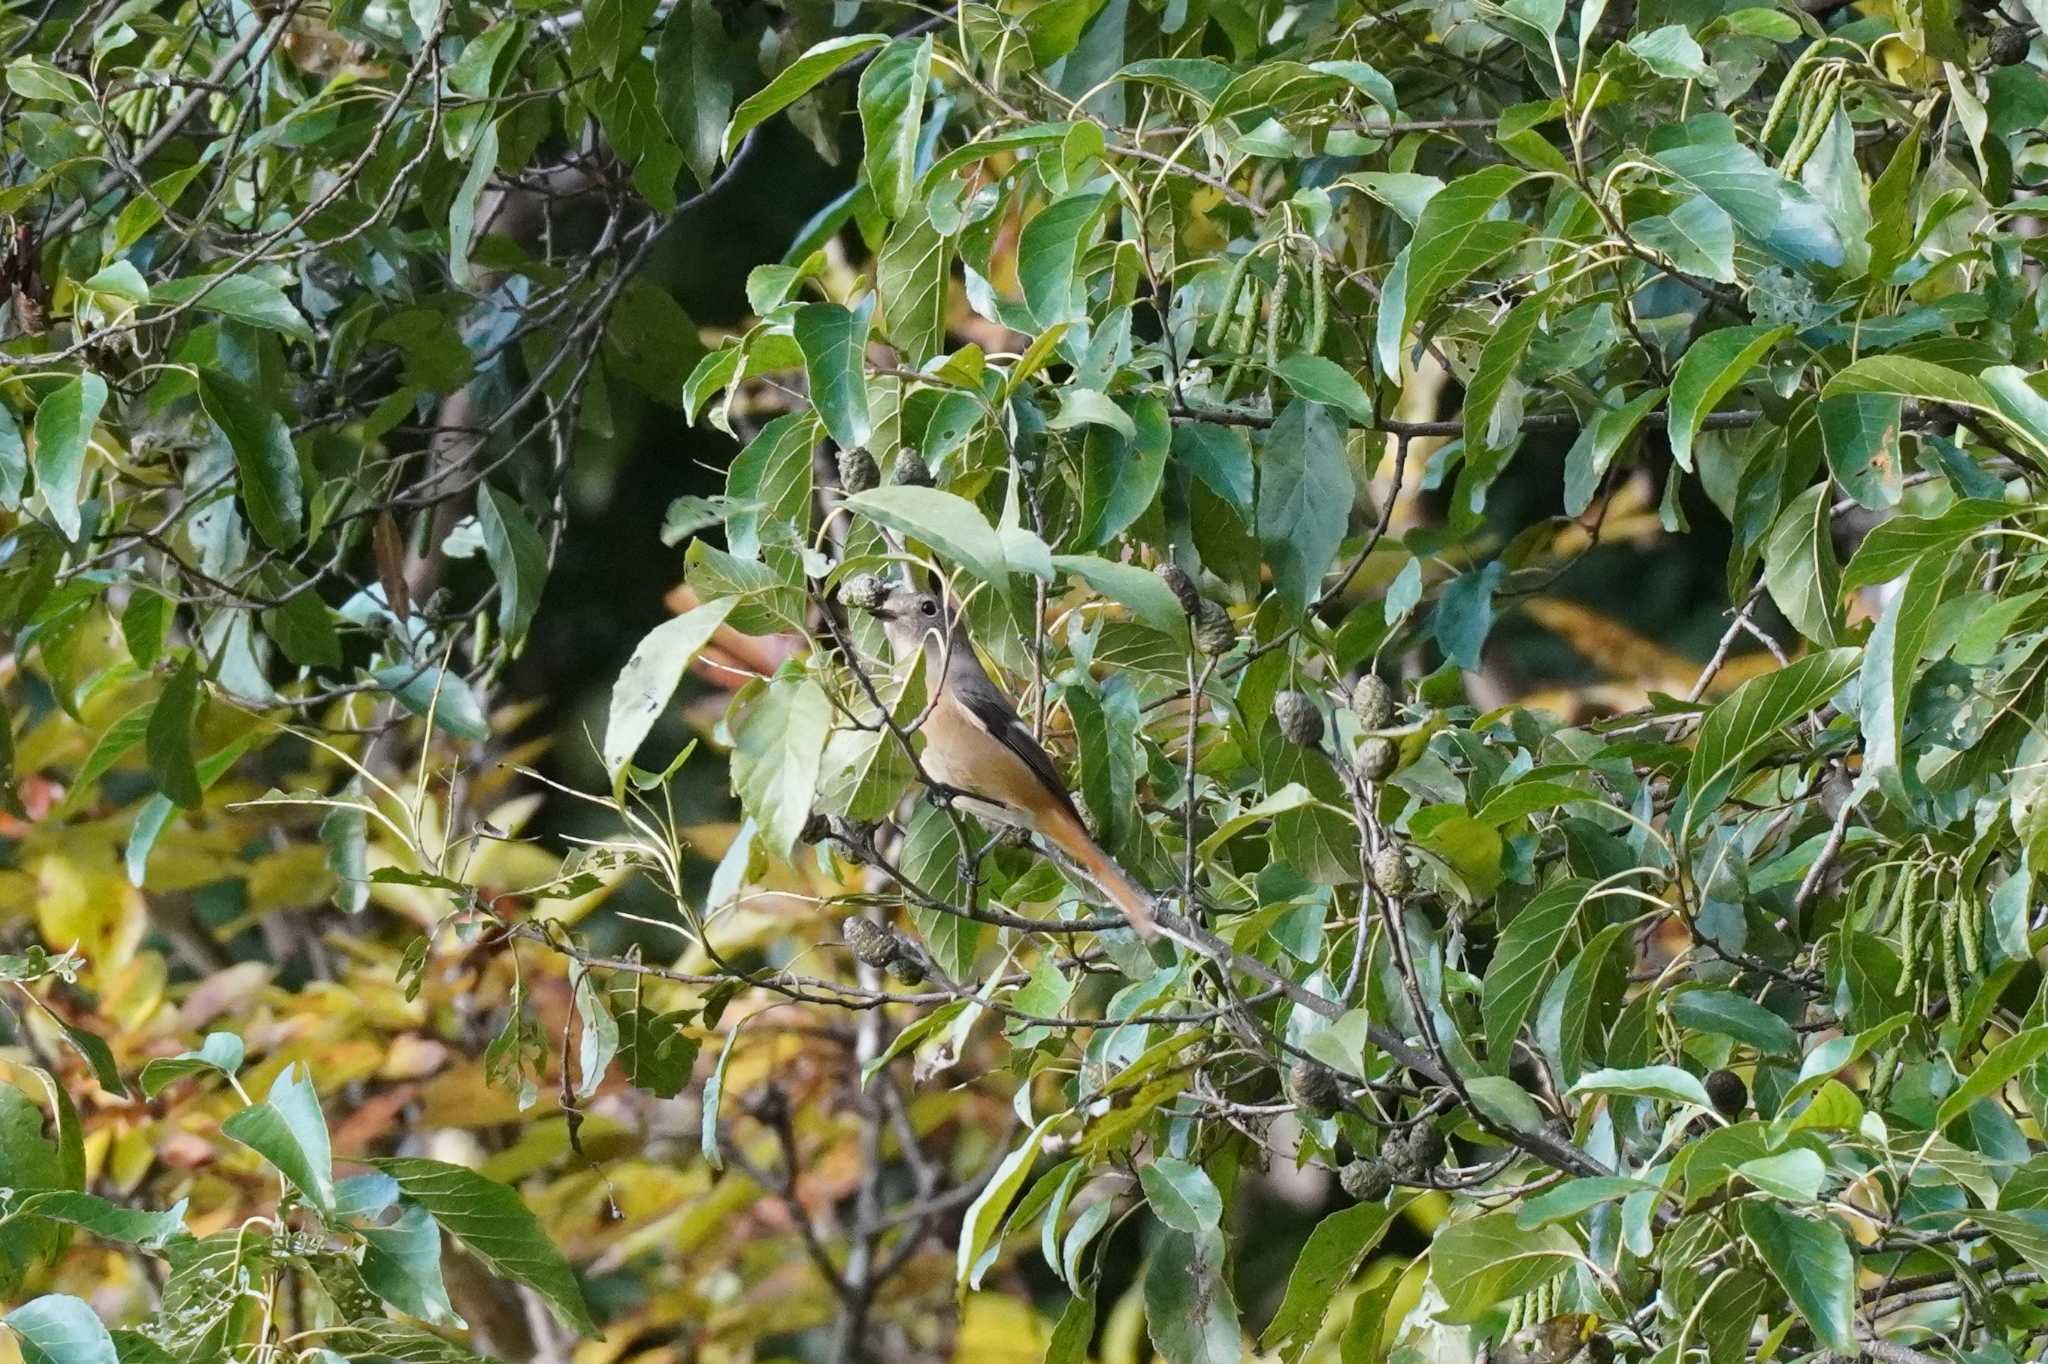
(928, 607)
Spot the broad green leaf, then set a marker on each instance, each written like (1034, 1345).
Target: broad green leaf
(1736, 1016)
(1777, 213)
(2009, 1059)
(1138, 589)
(1666, 1083)
(956, 528)
(1860, 432)
(1049, 253)
(493, 1224)
(1709, 369)
(13, 461)
(1593, 452)
(1181, 1195)
(1328, 1260)
(243, 297)
(431, 691)
(985, 1214)
(1524, 960)
(834, 342)
(288, 1130)
(1464, 613)
(1902, 376)
(2020, 401)
(892, 92)
(169, 737)
(402, 1265)
(1698, 237)
(266, 468)
(912, 274)
(1120, 472)
(796, 80)
(1755, 713)
(105, 1220)
(1305, 497)
(1794, 1175)
(1326, 382)
(696, 65)
(60, 1329)
(1189, 1309)
(1891, 661)
(1800, 568)
(221, 1054)
(778, 752)
(650, 678)
(1489, 1259)
(517, 555)
(1456, 234)
(64, 424)
(1895, 545)
(1811, 1260)
(1576, 1196)
(769, 486)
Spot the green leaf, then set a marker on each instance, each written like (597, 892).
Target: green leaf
(287, 1130)
(1894, 546)
(1326, 382)
(654, 1053)
(266, 468)
(518, 559)
(1709, 369)
(695, 67)
(985, 1214)
(1048, 255)
(1777, 213)
(2020, 401)
(1593, 452)
(769, 486)
(60, 1329)
(1753, 714)
(1485, 449)
(1121, 473)
(402, 1265)
(1736, 1016)
(834, 342)
(1488, 1259)
(930, 1025)
(1672, 53)
(1464, 613)
(1891, 661)
(1148, 599)
(431, 691)
(1328, 1260)
(1794, 1176)
(955, 528)
(1666, 1083)
(892, 92)
(714, 1098)
(13, 461)
(2005, 1062)
(778, 752)
(108, 1221)
(1305, 497)
(1221, 457)
(1901, 376)
(220, 1054)
(1576, 1196)
(243, 297)
(1860, 432)
(1800, 568)
(912, 275)
(651, 676)
(64, 424)
(1811, 1260)
(169, 737)
(1524, 960)
(1456, 235)
(796, 80)
(1698, 236)
(495, 1227)
(1189, 1309)
(1181, 1195)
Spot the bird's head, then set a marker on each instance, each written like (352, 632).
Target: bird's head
(910, 617)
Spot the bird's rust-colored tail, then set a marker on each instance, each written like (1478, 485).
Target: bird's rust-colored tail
(1066, 833)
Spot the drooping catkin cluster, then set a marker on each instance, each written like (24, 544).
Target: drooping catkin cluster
(1293, 305)
(1938, 922)
(1538, 1304)
(1809, 96)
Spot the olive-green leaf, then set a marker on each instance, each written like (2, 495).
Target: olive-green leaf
(1710, 367)
(1890, 664)
(892, 93)
(1488, 1259)
(168, 742)
(494, 1225)
(796, 80)
(288, 1130)
(1328, 1260)
(778, 752)
(64, 425)
(1524, 961)
(265, 466)
(1305, 497)
(1812, 1262)
(1756, 712)
(1800, 568)
(834, 343)
(60, 1329)
(517, 555)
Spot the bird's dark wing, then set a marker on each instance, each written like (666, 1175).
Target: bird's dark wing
(994, 715)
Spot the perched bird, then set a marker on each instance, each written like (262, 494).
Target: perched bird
(976, 745)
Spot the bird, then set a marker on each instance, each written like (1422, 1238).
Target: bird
(978, 748)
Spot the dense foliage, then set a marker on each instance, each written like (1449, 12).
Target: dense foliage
(1692, 1016)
